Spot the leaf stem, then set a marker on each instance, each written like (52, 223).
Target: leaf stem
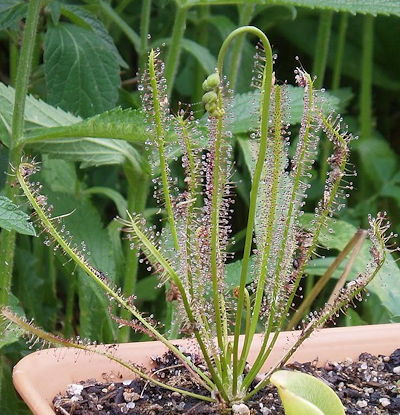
(322, 47)
(132, 36)
(174, 49)
(7, 238)
(245, 14)
(366, 77)
(144, 32)
(341, 43)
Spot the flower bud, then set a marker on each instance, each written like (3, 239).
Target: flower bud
(211, 82)
(209, 97)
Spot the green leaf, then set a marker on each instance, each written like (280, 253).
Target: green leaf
(90, 151)
(116, 197)
(385, 285)
(206, 60)
(146, 288)
(12, 218)
(81, 72)
(87, 20)
(232, 273)
(11, 12)
(60, 175)
(245, 118)
(378, 160)
(125, 124)
(373, 7)
(303, 394)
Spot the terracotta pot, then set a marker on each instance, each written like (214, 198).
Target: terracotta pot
(39, 376)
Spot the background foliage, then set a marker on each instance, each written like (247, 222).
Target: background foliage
(85, 63)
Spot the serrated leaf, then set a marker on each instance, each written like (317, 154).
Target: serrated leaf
(11, 12)
(81, 72)
(373, 7)
(87, 20)
(385, 285)
(89, 151)
(303, 394)
(12, 218)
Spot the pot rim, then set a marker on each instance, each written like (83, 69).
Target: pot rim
(39, 376)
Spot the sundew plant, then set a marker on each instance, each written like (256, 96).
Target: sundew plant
(189, 251)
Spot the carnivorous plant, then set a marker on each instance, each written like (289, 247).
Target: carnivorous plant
(189, 251)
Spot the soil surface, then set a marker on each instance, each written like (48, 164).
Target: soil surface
(368, 386)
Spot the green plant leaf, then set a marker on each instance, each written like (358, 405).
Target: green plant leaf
(11, 12)
(335, 236)
(125, 124)
(373, 7)
(60, 175)
(245, 118)
(12, 218)
(82, 74)
(303, 394)
(119, 201)
(87, 20)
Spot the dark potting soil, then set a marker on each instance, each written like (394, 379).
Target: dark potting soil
(368, 386)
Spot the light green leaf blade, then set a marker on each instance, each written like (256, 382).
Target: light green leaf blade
(11, 12)
(12, 218)
(81, 72)
(373, 7)
(128, 124)
(303, 394)
(207, 61)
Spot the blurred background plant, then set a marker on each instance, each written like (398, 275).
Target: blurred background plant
(84, 61)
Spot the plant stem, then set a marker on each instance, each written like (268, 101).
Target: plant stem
(138, 189)
(322, 47)
(174, 49)
(264, 115)
(144, 32)
(13, 58)
(341, 43)
(7, 238)
(132, 36)
(245, 14)
(202, 39)
(366, 77)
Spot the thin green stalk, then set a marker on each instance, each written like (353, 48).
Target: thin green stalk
(138, 189)
(132, 36)
(122, 5)
(174, 49)
(144, 32)
(7, 238)
(13, 57)
(341, 43)
(264, 117)
(202, 35)
(245, 14)
(366, 77)
(312, 295)
(319, 68)
(322, 47)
